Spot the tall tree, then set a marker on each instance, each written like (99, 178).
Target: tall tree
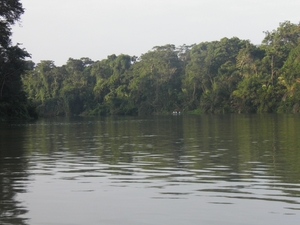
(10, 12)
(13, 101)
(156, 82)
(277, 44)
(111, 89)
(211, 74)
(290, 79)
(77, 88)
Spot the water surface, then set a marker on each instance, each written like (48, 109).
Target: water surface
(211, 169)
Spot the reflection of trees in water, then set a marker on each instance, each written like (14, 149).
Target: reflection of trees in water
(12, 176)
(224, 147)
(125, 139)
(172, 131)
(230, 141)
(231, 147)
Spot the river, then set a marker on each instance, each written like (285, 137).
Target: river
(158, 170)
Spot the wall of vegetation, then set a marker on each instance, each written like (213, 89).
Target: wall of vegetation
(226, 76)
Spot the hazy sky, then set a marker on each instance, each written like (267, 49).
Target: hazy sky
(59, 29)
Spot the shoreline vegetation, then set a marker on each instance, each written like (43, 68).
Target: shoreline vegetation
(225, 76)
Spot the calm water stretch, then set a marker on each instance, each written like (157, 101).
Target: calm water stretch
(162, 170)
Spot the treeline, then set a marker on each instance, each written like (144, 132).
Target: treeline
(226, 76)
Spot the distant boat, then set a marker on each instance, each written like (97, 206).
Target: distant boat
(176, 112)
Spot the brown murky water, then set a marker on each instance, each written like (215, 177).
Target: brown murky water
(211, 169)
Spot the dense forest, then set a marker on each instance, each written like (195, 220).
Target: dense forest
(226, 76)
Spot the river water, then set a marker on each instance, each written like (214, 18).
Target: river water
(160, 170)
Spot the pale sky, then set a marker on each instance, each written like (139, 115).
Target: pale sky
(59, 29)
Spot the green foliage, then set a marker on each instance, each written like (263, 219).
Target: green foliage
(225, 76)
(13, 100)
(277, 44)
(211, 74)
(290, 79)
(156, 80)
